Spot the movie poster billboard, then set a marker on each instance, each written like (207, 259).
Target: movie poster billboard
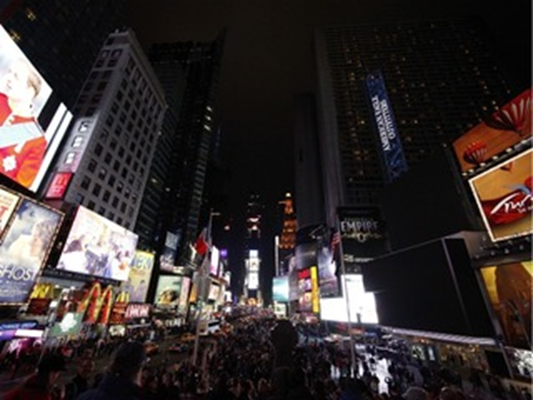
(385, 126)
(168, 291)
(363, 235)
(139, 277)
(167, 260)
(503, 196)
(509, 289)
(499, 131)
(328, 262)
(25, 249)
(8, 202)
(26, 146)
(97, 246)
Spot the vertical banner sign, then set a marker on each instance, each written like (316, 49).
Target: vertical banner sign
(315, 294)
(384, 124)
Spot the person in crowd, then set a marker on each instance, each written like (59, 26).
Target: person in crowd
(40, 386)
(123, 378)
(80, 383)
(416, 393)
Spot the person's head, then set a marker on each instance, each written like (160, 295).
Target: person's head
(415, 393)
(50, 368)
(85, 367)
(451, 393)
(21, 83)
(128, 361)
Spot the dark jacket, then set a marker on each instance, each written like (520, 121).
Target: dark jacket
(113, 387)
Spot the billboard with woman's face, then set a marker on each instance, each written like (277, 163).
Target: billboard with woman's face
(97, 246)
(25, 143)
(24, 250)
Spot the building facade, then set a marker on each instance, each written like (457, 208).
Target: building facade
(113, 138)
(437, 78)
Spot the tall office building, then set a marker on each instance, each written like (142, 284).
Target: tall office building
(253, 247)
(113, 138)
(287, 239)
(62, 38)
(419, 84)
(189, 72)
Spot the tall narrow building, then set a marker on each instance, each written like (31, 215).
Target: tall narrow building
(174, 199)
(287, 239)
(253, 248)
(104, 164)
(390, 94)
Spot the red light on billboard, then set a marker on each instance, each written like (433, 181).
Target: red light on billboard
(59, 185)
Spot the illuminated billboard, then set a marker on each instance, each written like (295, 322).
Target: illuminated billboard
(253, 280)
(214, 261)
(184, 294)
(139, 277)
(503, 196)
(214, 292)
(385, 126)
(24, 250)
(503, 129)
(168, 291)
(97, 246)
(134, 311)
(280, 288)
(362, 305)
(509, 290)
(26, 146)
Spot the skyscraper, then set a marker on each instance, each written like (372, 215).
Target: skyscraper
(112, 140)
(189, 72)
(437, 79)
(253, 247)
(62, 39)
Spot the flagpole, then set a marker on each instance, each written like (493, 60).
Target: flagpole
(346, 294)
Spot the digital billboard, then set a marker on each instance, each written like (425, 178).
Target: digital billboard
(501, 130)
(184, 294)
(168, 291)
(167, 259)
(25, 248)
(362, 305)
(26, 146)
(134, 311)
(139, 277)
(214, 292)
(70, 325)
(214, 261)
(280, 288)
(509, 289)
(385, 126)
(97, 246)
(503, 196)
(8, 202)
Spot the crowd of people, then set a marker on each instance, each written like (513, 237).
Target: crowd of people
(261, 359)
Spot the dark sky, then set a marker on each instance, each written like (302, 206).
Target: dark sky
(268, 57)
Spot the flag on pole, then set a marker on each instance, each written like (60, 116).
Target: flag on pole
(201, 245)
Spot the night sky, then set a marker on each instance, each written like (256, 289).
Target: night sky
(268, 57)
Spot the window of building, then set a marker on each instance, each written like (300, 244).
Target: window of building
(77, 141)
(121, 152)
(128, 159)
(78, 198)
(97, 189)
(84, 126)
(116, 165)
(70, 157)
(120, 187)
(91, 205)
(115, 202)
(102, 174)
(98, 149)
(111, 215)
(113, 144)
(123, 207)
(101, 210)
(92, 165)
(112, 180)
(127, 193)
(101, 86)
(90, 111)
(124, 173)
(85, 182)
(106, 195)
(108, 158)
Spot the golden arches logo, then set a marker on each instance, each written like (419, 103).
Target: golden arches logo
(43, 291)
(97, 304)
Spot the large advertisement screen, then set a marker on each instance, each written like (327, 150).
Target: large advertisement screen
(385, 126)
(361, 304)
(280, 288)
(25, 248)
(97, 246)
(184, 294)
(509, 289)
(168, 291)
(214, 261)
(26, 146)
(139, 277)
(503, 196)
(503, 129)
